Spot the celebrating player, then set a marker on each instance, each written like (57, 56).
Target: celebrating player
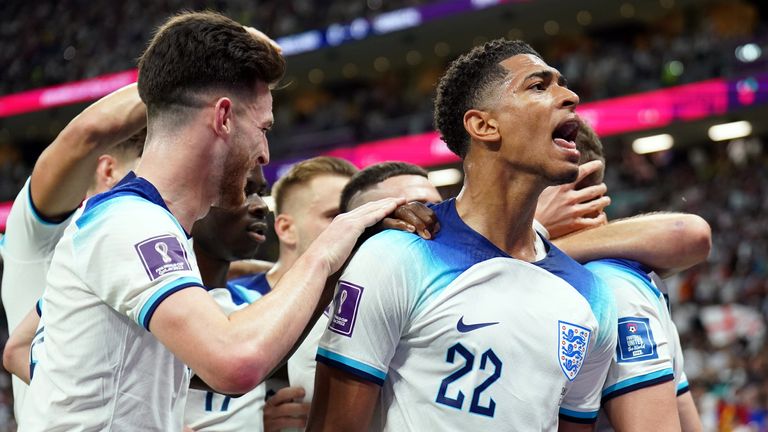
(647, 370)
(124, 313)
(486, 327)
(93, 152)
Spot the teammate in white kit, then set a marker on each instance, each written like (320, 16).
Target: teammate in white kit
(647, 370)
(92, 153)
(486, 327)
(124, 312)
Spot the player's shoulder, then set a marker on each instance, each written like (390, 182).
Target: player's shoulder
(133, 202)
(622, 274)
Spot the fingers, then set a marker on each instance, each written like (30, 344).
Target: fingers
(592, 207)
(276, 425)
(288, 409)
(392, 223)
(418, 216)
(286, 394)
(588, 168)
(589, 193)
(592, 222)
(372, 212)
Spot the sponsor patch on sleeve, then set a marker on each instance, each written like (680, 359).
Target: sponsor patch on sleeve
(345, 303)
(161, 255)
(636, 341)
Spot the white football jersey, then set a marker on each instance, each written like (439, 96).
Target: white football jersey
(27, 248)
(102, 368)
(463, 337)
(648, 348)
(302, 364)
(215, 412)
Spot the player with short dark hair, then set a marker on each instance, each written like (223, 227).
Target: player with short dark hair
(463, 331)
(388, 179)
(125, 313)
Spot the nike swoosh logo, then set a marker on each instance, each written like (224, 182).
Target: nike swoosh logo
(466, 328)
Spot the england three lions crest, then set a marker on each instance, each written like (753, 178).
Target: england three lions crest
(573, 341)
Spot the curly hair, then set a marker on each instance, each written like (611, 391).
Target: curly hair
(198, 51)
(465, 85)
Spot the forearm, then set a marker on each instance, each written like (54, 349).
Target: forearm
(273, 326)
(16, 352)
(66, 168)
(665, 242)
(689, 415)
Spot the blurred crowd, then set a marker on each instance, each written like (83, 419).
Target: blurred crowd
(720, 307)
(53, 42)
(46, 43)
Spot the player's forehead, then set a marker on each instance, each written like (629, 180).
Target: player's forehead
(522, 67)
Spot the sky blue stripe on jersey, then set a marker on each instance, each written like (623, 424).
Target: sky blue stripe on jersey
(578, 414)
(682, 384)
(161, 294)
(354, 364)
(625, 269)
(649, 377)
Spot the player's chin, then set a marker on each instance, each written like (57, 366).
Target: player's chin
(567, 172)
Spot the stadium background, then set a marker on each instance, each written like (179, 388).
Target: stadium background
(360, 84)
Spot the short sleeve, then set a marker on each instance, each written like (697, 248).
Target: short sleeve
(643, 354)
(29, 235)
(133, 255)
(581, 403)
(369, 311)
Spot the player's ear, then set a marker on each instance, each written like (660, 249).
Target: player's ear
(105, 172)
(481, 126)
(222, 117)
(286, 229)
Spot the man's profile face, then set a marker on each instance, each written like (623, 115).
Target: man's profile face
(233, 234)
(412, 187)
(534, 111)
(252, 118)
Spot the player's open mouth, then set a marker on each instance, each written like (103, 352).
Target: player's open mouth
(258, 231)
(564, 137)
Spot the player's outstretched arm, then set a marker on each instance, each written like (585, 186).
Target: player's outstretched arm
(665, 242)
(234, 354)
(16, 352)
(351, 407)
(659, 414)
(64, 171)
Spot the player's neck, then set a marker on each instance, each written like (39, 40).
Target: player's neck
(501, 206)
(181, 181)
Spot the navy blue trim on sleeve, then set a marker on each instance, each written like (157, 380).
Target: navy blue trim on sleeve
(579, 420)
(147, 315)
(356, 372)
(683, 390)
(637, 386)
(45, 220)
